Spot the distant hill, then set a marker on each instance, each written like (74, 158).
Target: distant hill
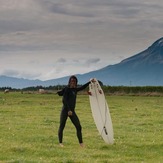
(142, 69)
(13, 82)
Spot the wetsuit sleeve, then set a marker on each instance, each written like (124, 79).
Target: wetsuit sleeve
(83, 86)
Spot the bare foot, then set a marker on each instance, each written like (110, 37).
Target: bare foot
(81, 145)
(61, 145)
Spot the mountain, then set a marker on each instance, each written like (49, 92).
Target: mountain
(13, 82)
(142, 69)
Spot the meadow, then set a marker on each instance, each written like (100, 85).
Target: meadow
(29, 125)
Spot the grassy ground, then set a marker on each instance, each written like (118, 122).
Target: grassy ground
(29, 124)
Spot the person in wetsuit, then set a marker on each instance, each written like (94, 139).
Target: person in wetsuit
(69, 94)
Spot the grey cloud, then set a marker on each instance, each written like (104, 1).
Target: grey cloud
(92, 60)
(76, 61)
(19, 74)
(15, 25)
(9, 72)
(19, 47)
(71, 8)
(61, 60)
(66, 10)
(72, 30)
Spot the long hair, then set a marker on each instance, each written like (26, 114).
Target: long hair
(73, 77)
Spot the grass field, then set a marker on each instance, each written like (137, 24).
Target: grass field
(29, 124)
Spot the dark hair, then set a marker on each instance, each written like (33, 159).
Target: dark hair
(73, 77)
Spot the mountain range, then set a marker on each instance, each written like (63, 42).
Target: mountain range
(142, 69)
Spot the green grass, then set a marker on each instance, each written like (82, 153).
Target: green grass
(29, 124)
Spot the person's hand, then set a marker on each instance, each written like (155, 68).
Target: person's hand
(92, 80)
(69, 113)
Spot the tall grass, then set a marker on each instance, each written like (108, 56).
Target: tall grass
(29, 124)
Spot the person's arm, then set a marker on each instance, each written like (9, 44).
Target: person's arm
(85, 85)
(61, 92)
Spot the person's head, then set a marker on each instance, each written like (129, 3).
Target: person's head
(73, 81)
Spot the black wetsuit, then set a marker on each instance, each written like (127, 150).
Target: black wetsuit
(69, 102)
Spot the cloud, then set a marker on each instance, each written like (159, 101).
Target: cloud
(61, 60)
(69, 9)
(50, 38)
(73, 26)
(20, 74)
(9, 72)
(92, 61)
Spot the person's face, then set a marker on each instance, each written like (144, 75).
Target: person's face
(72, 83)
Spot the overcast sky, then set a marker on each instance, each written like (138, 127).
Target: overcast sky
(47, 39)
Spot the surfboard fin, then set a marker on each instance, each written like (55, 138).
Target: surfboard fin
(105, 130)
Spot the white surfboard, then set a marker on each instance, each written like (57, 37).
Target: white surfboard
(100, 112)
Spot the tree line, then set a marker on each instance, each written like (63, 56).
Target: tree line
(132, 89)
(106, 89)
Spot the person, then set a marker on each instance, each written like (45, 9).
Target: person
(69, 94)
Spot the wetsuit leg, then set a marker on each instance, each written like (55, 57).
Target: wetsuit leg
(63, 118)
(75, 120)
